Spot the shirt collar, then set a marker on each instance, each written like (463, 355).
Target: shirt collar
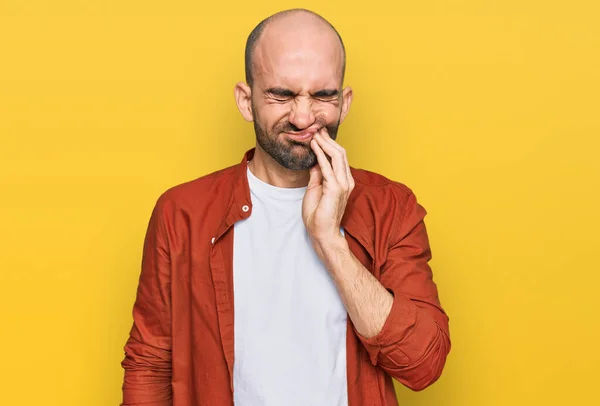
(240, 205)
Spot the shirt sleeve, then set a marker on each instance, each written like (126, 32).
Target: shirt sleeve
(414, 342)
(147, 362)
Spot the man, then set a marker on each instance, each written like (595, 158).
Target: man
(290, 278)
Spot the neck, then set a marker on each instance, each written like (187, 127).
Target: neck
(265, 168)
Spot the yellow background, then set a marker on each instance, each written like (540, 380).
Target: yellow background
(489, 110)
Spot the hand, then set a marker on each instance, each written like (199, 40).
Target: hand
(329, 187)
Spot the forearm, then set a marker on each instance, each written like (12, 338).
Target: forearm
(409, 342)
(367, 301)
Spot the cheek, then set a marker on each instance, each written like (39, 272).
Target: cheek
(327, 113)
(271, 115)
(275, 117)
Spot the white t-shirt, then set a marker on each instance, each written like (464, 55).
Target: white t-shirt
(290, 323)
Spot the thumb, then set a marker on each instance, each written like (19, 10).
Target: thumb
(316, 176)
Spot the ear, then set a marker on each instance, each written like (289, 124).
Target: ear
(346, 102)
(243, 99)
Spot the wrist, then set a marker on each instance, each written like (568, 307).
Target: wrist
(332, 250)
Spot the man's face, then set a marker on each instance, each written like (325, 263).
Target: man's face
(296, 92)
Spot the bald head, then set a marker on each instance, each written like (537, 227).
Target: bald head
(295, 62)
(292, 29)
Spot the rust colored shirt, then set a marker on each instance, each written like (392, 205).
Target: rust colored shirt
(180, 350)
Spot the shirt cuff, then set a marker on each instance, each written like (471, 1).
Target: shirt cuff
(400, 320)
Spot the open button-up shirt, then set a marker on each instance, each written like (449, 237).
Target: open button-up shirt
(180, 350)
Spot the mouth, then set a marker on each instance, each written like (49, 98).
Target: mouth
(302, 136)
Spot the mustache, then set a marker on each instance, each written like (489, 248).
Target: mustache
(291, 128)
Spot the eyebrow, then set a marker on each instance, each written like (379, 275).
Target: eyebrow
(280, 91)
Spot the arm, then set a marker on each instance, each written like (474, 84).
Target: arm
(147, 360)
(399, 319)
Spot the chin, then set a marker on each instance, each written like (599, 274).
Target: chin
(302, 163)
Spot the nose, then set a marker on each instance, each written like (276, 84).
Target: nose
(302, 115)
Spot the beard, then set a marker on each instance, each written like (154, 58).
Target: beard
(291, 154)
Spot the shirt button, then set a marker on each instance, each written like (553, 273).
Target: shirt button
(245, 208)
(213, 240)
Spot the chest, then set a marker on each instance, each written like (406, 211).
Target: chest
(277, 274)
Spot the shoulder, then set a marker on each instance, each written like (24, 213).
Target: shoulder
(377, 185)
(380, 204)
(198, 192)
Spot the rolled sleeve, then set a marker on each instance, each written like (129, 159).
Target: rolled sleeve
(414, 341)
(147, 362)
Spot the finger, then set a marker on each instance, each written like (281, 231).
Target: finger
(315, 177)
(349, 176)
(351, 182)
(338, 161)
(332, 142)
(326, 169)
(348, 172)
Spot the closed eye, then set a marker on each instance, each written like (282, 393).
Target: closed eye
(326, 94)
(280, 94)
